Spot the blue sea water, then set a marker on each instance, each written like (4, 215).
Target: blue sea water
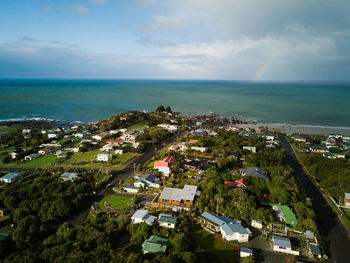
(317, 104)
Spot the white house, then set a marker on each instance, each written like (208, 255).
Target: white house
(79, 135)
(166, 220)
(229, 228)
(246, 252)
(250, 148)
(118, 151)
(31, 156)
(199, 149)
(130, 136)
(148, 180)
(52, 135)
(44, 151)
(282, 244)
(168, 127)
(107, 148)
(69, 176)
(10, 177)
(179, 147)
(257, 224)
(142, 216)
(98, 137)
(104, 157)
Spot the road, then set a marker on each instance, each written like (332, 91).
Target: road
(333, 232)
(117, 175)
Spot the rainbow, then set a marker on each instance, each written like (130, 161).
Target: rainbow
(262, 69)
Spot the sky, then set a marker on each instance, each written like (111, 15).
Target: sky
(253, 40)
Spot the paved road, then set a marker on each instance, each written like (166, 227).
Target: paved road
(331, 229)
(116, 176)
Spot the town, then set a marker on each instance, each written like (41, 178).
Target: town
(160, 186)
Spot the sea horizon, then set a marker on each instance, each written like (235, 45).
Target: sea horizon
(268, 102)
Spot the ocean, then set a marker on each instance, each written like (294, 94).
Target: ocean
(315, 104)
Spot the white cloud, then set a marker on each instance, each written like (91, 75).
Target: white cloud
(161, 22)
(99, 2)
(80, 10)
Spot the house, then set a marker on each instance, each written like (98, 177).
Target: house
(336, 136)
(168, 127)
(98, 137)
(155, 245)
(167, 220)
(250, 148)
(199, 166)
(199, 132)
(254, 172)
(245, 252)
(237, 156)
(241, 183)
(16, 152)
(10, 177)
(61, 153)
(104, 157)
(130, 136)
(53, 135)
(246, 134)
(282, 244)
(347, 199)
(31, 156)
(75, 150)
(115, 142)
(164, 165)
(79, 134)
(69, 176)
(179, 197)
(107, 148)
(141, 216)
(318, 149)
(118, 151)
(299, 138)
(315, 250)
(148, 180)
(229, 228)
(331, 155)
(4, 235)
(257, 224)
(284, 213)
(44, 151)
(199, 149)
(129, 188)
(179, 147)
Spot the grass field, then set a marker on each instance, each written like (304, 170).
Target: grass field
(137, 126)
(7, 150)
(8, 129)
(42, 161)
(205, 240)
(63, 140)
(119, 161)
(117, 202)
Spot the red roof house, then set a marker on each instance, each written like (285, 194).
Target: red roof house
(241, 183)
(166, 162)
(115, 142)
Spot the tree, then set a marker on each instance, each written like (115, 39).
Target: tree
(168, 109)
(160, 108)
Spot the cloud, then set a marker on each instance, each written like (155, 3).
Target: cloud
(99, 2)
(80, 10)
(161, 22)
(29, 39)
(50, 8)
(150, 41)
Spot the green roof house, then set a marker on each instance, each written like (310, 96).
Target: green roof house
(284, 213)
(156, 245)
(166, 220)
(4, 235)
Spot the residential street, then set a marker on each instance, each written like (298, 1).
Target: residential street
(332, 231)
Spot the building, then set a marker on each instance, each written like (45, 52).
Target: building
(104, 157)
(252, 149)
(44, 151)
(254, 172)
(257, 224)
(282, 244)
(199, 149)
(229, 228)
(98, 137)
(167, 220)
(318, 149)
(241, 183)
(141, 216)
(61, 153)
(299, 138)
(107, 148)
(31, 156)
(347, 199)
(165, 165)
(52, 135)
(69, 176)
(10, 177)
(284, 214)
(245, 252)
(199, 166)
(3, 212)
(179, 197)
(129, 188)
(155, 245)
(315, 250)
(331, 155)
(179, 147)
(130, 136)
(115, 142)
(148, 180)
(118, 151)
(168, 127)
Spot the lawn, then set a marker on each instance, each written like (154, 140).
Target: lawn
(7, 150)
(63, 140)
(8, 129)
(137, 126)
(117, 202)
(119, 161)
(205, 240)
(42, 161)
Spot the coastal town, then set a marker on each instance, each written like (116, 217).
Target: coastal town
(161, 186)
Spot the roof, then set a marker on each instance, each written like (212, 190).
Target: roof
(241, 181)
(176, 194)
(169, 159)
(228, 225)
(69, 176)
(148, 178)
(255, 172)
(287, 212)
(161, 164)
(115, 141)
(281, 241)
(155, 244)
(167, 219)
(4, 235)
(315, 250)
(246, 250)
(149, 219)
(139, 214)
(11, 176)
